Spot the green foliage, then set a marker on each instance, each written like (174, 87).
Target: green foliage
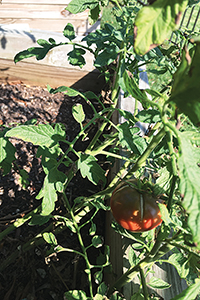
(185, 89)
(154, 23)
(166, 160)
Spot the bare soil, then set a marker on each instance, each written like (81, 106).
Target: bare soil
(25, 273)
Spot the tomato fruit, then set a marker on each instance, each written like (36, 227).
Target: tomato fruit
(134, 210)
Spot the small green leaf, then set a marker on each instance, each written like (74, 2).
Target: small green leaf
(69, 32)
(39, 220)
(129, 139)
(63, 89)
(76, 58)
(42, 135)
(180, 263)
(92, 229)
(77, 6)
(78, 113)
(94, 14)
(50, 238)
(49, 195)
(23, 180)
(7, 154)
(107, 56)
(38, 52)
(97, 241)
(133, 89)
(98, 276)
(149, 116)
(102, 288)
(158, 283)
(89, 168)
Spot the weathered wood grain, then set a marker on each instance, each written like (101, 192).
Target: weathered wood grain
(33, 11)
(40, 2)
(32, 74)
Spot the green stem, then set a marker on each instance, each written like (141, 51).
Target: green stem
(144, 285)
(19, 222)
(170, 198)
(142, 159)
(88, 266)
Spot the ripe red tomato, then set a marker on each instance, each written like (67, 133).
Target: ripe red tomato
(134, 210)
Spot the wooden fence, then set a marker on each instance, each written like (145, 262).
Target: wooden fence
(44, 15)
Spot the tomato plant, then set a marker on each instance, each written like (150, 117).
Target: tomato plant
(167, 155)
(134, 210)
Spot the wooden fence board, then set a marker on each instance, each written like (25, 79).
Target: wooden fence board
(32, 74)
(38, 12)
(40, 2)
(44, 15)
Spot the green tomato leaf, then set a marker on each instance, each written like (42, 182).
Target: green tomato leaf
(129, 139)
(158, 283)
(189, 173)
(94, 14)
(69, 32)
(186, 88)
(63, 89)
(42, 135)
(49, 195)
(149, 116)
(50, 238)
(38, 52)
(7, 154)
(107, 56)
(89, 168)
(92, 229)
(190, 293)
(77, 6)
(180, 262)
(39, 220)
(76, 58)
(78, 113)
(154, 23)
(75, 295)
(97, 241)
(132, 88)
(23, 179)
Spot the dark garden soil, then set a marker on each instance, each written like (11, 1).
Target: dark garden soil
(26, 274)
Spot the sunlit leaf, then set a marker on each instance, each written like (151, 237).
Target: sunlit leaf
(50, 238)
(89, 168)
(69, 32)
(189, 173)
(158, 283)
(42, 135)
(7, 154)
(49, 197)
(190, 293)
(78, 113)
(155, 23)
(77, 6)
(75, 295)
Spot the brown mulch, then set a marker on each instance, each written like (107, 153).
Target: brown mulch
(29, 276)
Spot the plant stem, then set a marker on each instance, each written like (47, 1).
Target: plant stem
(88, 266)
(144, 285)
(142, 159)
(170, 198)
